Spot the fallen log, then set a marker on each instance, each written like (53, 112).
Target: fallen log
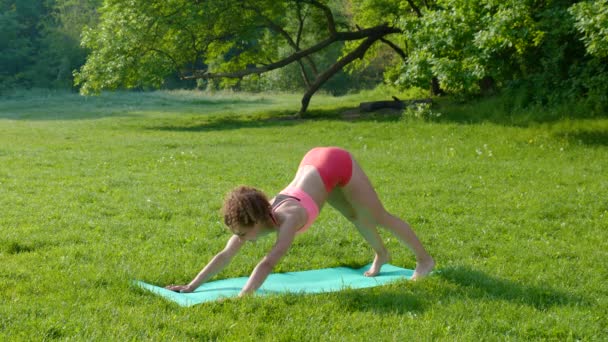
(395, 104)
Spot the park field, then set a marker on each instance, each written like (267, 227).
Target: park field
(96, 192)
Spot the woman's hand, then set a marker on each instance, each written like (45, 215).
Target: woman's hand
(180, 288)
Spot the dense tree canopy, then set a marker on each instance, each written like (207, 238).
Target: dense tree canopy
(18, 42)
(462, 42)
(592, 21)
(139, 43)
(542, 51)
(40, 41)
(530, 47)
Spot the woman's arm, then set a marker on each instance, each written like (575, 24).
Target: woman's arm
(264, 267)
(219, 261)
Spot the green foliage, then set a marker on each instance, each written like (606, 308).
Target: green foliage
(560, 70)
(289, 78)
(592, 21)
(380, 59)
(522, 47)
(19, 39)
(538, 52)
(121, 51)
(138, 44)
(61, 52)
(421, 111)
(461, 42)
(40, 45)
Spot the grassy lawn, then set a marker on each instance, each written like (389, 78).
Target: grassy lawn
(96, 192)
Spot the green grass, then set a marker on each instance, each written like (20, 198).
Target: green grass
(96, 192)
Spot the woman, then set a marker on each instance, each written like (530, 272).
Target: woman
(325, 174)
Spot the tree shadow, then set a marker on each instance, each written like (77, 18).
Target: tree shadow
(470, 284)
(480, 285)
(587, 137)
(275, 118)
(228, 122)
(501, 110)
(354, 115)
(388, 300)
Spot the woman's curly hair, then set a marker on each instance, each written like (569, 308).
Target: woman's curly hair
(244, 207)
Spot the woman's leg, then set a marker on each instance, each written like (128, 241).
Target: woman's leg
(361, 196)
(366, 227)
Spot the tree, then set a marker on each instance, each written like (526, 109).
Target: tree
(463, 42)
(591, 79)
(18, 42)
(592, 21)
(530, 48)
(139, 43)
(59, 46)
(550, 51)
(40, 41)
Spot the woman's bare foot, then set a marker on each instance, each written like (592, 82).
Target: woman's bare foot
(423, 267)
(379, 260)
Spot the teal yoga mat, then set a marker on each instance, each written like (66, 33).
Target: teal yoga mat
(314, 281)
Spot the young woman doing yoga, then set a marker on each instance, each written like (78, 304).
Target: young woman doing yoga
(325, 174)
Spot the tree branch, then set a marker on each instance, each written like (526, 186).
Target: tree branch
(168, 56)
(295, 45)
(359, 52)
(394, 46)
(300, 23)
(311, 62)
(415, 8)
(331, 23)
(377, 31)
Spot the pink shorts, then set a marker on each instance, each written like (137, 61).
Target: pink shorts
(335, 165)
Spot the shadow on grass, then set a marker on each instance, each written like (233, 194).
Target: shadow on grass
(470, 284)
(277, 118)
(502, 110)
(481, 285)
(387, 300)
(227, 122)
(457, 114)
(588, 137)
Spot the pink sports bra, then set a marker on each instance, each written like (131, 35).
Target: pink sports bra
(312, 210)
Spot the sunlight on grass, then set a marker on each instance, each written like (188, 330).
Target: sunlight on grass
(98, 191)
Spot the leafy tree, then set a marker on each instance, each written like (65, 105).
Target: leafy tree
(40, 41)
(139, 43)
(560, 69)
(60, 50)
(463, 42)
(549, 51)
(528, 47)
(18, 42)
(592, 21)
(589, 76)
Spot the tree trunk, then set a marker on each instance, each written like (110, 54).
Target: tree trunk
(304, 74)
(359, 52)
(436, 88)
(487, 86)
